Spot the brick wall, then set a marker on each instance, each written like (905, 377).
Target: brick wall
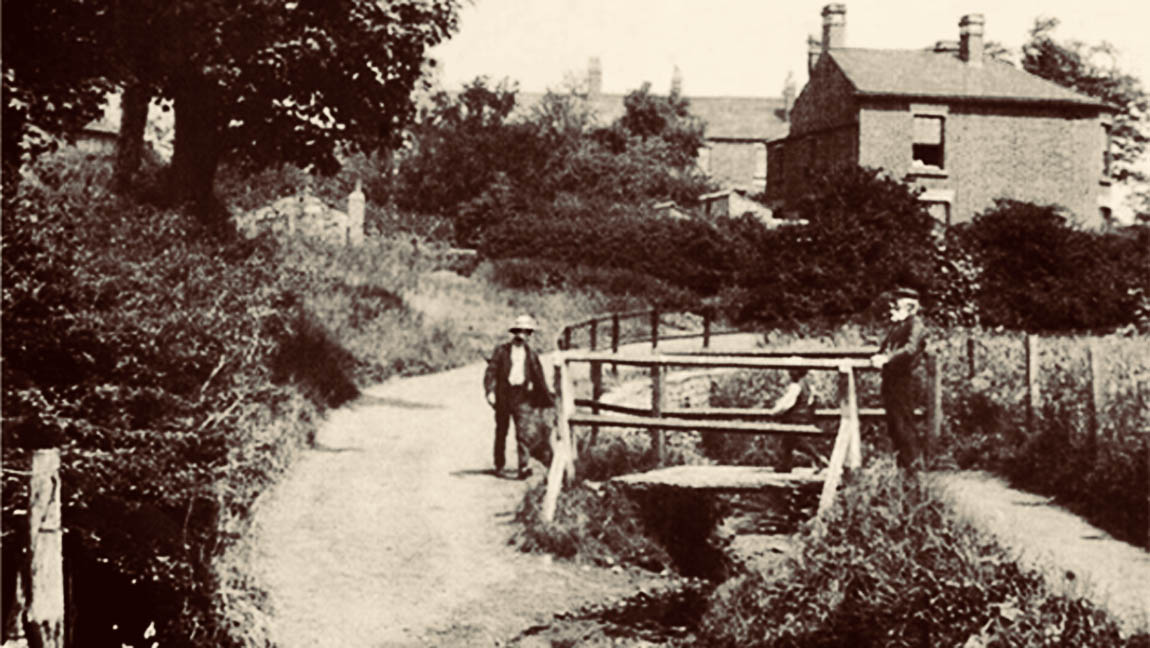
(736, 164)
(1037, 154)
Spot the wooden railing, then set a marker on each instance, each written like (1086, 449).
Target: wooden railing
(604, 328)
(659, 417)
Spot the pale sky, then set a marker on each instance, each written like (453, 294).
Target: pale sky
(742, 47)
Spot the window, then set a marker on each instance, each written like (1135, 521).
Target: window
(928, 141)
(1106, 151)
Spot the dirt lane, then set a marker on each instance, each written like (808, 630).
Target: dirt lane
(394, 533)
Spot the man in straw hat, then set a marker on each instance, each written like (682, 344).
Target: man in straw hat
(515, 383)
(901, 350)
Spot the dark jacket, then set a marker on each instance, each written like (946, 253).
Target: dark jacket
(499, 367)
(904, 344)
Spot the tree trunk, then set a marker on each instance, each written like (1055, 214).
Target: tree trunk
(196, 149)
(133, 120)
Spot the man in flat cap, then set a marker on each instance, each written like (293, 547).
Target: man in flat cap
(901, 350)
(515, 383)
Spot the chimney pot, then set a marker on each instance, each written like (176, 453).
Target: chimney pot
(970, 30)
(834, 26)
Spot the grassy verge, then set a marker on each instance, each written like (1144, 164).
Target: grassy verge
(891, 565)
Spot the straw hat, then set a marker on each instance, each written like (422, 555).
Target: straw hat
(523, 323)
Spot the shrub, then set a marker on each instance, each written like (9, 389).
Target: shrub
(598, 525)
(866, 233)
(1040, 272)
(890, 564)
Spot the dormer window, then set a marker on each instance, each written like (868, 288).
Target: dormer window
(929, 138)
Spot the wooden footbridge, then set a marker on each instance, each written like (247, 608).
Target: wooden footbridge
(594, 412)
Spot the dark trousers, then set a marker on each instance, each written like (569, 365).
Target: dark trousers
(517, 407)
(896, 400)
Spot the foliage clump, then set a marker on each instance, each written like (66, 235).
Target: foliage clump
(891, 565)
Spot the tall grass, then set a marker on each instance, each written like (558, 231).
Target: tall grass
(890, 564)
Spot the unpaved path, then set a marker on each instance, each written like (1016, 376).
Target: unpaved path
(393, 532)
(1114, 574)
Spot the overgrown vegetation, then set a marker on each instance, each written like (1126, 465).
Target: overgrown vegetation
(891, 565)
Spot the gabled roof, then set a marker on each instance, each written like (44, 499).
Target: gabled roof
(926, 73)
(726, 118)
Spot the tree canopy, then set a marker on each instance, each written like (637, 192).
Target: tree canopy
(1093, 70)
(252, 81)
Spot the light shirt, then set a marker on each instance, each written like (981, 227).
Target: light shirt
(518, 374)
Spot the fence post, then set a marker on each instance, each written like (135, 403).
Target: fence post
(566, 338)
(843, 440)
(654, 329)
(594, 334)
(706, 328)
(1095, 395)
(596, 394)
(614, 341)
(658, 435)
(933, 405)
(1031, 382)
(560, 447)
(45, 539)
(972, 368)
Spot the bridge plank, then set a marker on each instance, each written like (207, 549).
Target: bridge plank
(744, 427)
(726, 478)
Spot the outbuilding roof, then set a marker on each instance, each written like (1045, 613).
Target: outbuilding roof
(930, 74)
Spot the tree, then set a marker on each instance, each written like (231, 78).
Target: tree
(264, 83)
(1093, 71)
(52, 72)
(668, 118)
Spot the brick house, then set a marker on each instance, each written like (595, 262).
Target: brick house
(737, 128)
(965, 128)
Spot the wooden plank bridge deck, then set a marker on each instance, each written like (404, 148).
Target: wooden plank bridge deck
(720, 478)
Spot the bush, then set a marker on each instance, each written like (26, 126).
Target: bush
(168, 364)
(1040, 272)
(890, 564)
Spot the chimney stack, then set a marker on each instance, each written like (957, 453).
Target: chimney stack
(676, 82)
(814, 49)
(970, 39)
(594, 77)
(834, 26)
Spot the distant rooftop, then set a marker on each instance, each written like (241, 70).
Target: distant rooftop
(726, 118)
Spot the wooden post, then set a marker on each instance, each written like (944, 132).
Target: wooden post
(933, 405)
(972, 367)
(1031, 383)
(854, 449)
(594, 334)
(707, 328)
(1095, 394)
(46, 604)
(654, 329)
(566, 338)
(843, 441)
(596, 395)
(559, 445)
(567, 394)
(615, 341)
(658, 435)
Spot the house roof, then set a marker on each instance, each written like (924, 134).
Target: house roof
(726, 118)
(926, 73)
